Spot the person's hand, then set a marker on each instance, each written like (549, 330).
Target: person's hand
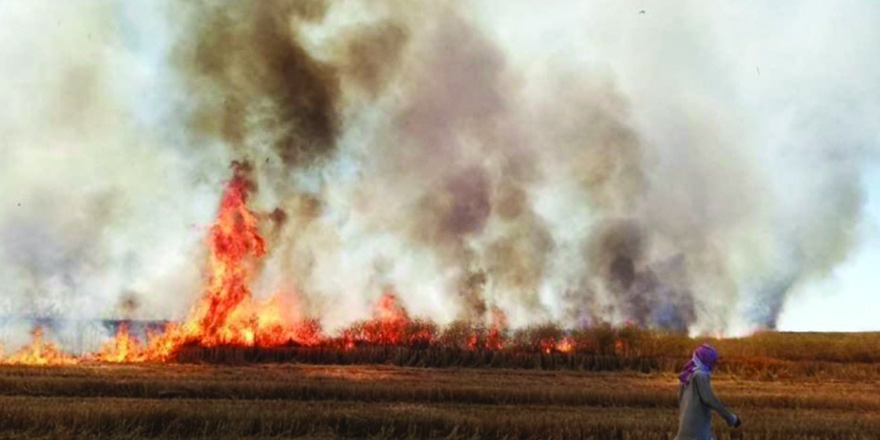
(738, 422)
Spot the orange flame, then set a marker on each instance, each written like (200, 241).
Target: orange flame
(495, 341)
(122, 348)
(40, 352)
(234, 240)
(388, 327)
(227, 314)
(566, 345)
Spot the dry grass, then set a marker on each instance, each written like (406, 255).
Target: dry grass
(615, 384)
(768, 356)
(271, 401)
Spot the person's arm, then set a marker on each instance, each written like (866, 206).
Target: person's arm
(708, 397)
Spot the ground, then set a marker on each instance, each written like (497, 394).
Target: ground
(288, 400)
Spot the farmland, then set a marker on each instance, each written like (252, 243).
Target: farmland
(788, 395)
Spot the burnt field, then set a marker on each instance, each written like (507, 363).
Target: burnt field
(777, 398)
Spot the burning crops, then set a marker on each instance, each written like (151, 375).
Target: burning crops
(227, 318)
(228, 315)
(40, 352)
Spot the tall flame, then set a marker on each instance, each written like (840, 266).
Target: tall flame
(227, 314)
(234, 242)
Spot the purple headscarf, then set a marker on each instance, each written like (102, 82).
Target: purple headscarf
(704, 359)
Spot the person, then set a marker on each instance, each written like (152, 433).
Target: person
(696, 400)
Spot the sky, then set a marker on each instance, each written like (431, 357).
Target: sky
(742, 137)
(848, 299)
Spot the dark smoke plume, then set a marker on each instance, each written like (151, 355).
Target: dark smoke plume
(255, 83)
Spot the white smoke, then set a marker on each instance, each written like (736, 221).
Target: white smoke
(721, 145)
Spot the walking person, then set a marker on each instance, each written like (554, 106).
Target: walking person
(696, 400)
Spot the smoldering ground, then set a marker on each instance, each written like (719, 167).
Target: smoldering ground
(580, 165)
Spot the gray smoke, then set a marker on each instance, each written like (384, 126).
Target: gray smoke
(690, 168)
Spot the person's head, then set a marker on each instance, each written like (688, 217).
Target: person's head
(707, 355)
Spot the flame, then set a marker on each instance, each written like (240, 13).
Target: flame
(495, 341)
(226, 314)
(388, 327)
(566, 345)
(391, 321)
(40, 352)
(122, 348)
(234, 242)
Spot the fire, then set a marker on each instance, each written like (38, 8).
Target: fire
(234, 241)
(122, 348)
(389, 326)
(493, 339)
(391, 322)
(227, 314)
(566, 345)
(40, 352)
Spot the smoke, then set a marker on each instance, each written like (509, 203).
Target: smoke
(255, 87)
(96, 203)
(690, 168)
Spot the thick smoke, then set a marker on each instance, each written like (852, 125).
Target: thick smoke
(95, 204)
(683, 169)
(255, 86)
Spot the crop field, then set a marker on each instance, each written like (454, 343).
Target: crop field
(830, 400)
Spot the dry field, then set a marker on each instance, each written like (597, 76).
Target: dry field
(289, 400)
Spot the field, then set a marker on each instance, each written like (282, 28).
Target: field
(789, 395)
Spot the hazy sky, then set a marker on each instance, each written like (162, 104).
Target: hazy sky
(848, 300)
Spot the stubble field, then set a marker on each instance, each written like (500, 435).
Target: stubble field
(357, 401)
